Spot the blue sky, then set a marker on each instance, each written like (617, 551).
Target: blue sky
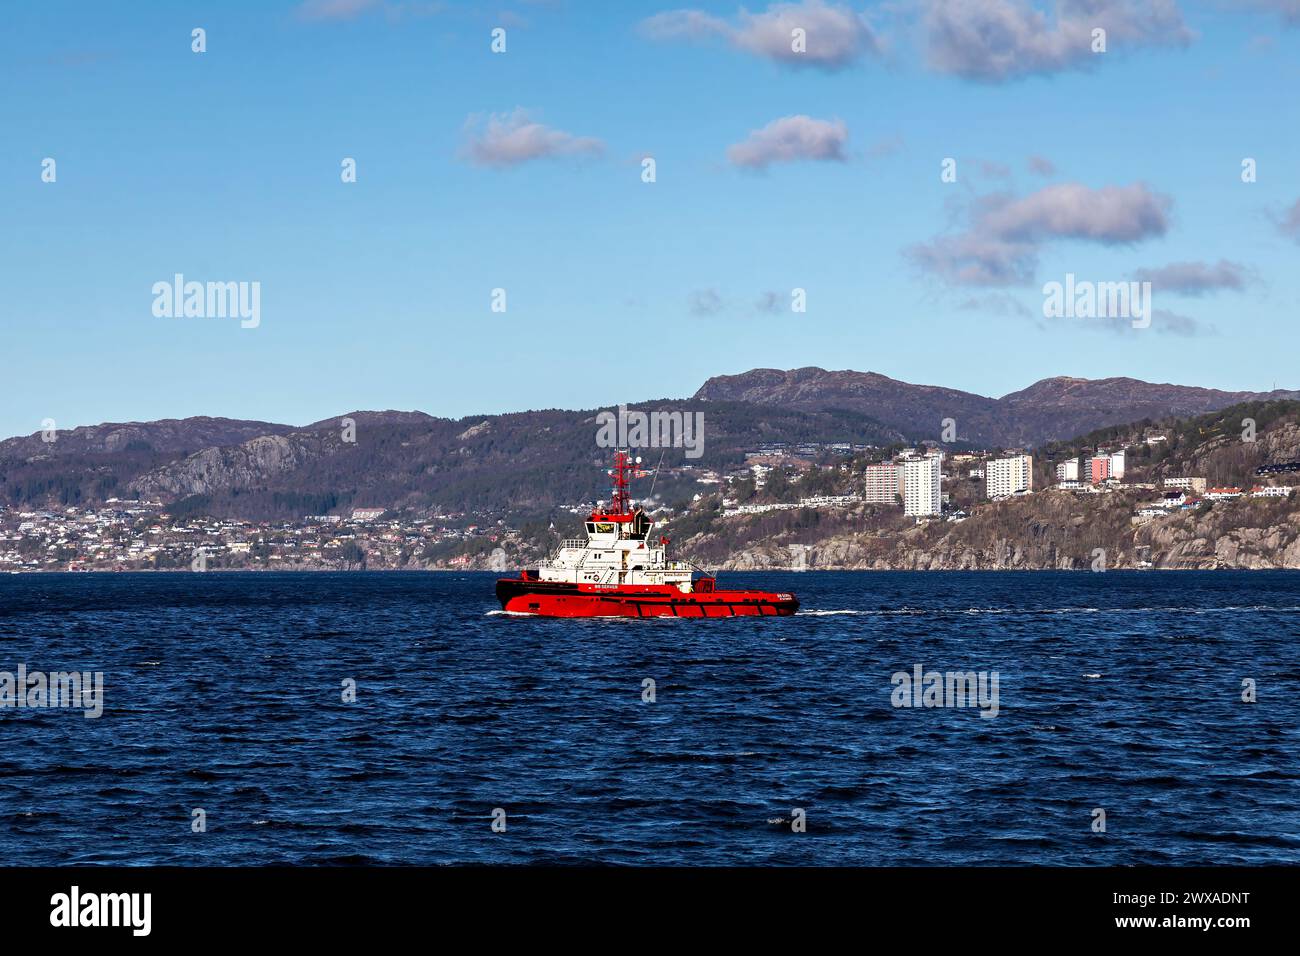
(522, 171)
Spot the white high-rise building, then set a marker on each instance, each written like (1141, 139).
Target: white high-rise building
(884, 483)
(1068, 470)
(921, 494)
(1117, 465)
(1008, 476)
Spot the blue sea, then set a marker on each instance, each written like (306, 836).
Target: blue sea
(224, 692)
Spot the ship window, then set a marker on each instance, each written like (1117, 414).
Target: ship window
(605, 528)
(591, 527)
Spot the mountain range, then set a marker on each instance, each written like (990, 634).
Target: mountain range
(1054, 409)
(530, 462)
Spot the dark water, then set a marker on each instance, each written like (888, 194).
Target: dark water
(223, 692)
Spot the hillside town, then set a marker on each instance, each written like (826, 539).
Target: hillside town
(925, 483)
(917, 481)
(136, 535)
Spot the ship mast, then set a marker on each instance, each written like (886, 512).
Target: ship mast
(620, 502)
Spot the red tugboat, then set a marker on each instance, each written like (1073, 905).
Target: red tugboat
(620, 572)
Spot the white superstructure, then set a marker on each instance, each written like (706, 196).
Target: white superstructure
(616, 552)
(618, 549)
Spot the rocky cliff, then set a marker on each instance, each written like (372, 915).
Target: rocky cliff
(219, 469)
(1049, 530)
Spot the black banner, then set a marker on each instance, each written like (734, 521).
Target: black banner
(335, 905)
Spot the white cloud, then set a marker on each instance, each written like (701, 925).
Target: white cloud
(1289, 10)
(1042, 166)
(1071, 210)
(509, 139)
(997, 40)
(335, 9)
(789, 139)
(1004, 236)
(1163, 322)
(1196, 278)
(705, 302)
(1289, 222)
(394, 10)
(835, 35)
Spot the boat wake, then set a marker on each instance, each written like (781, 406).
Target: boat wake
(940, 611)
(832, 613)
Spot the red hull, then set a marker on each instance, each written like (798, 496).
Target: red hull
(549, 599)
